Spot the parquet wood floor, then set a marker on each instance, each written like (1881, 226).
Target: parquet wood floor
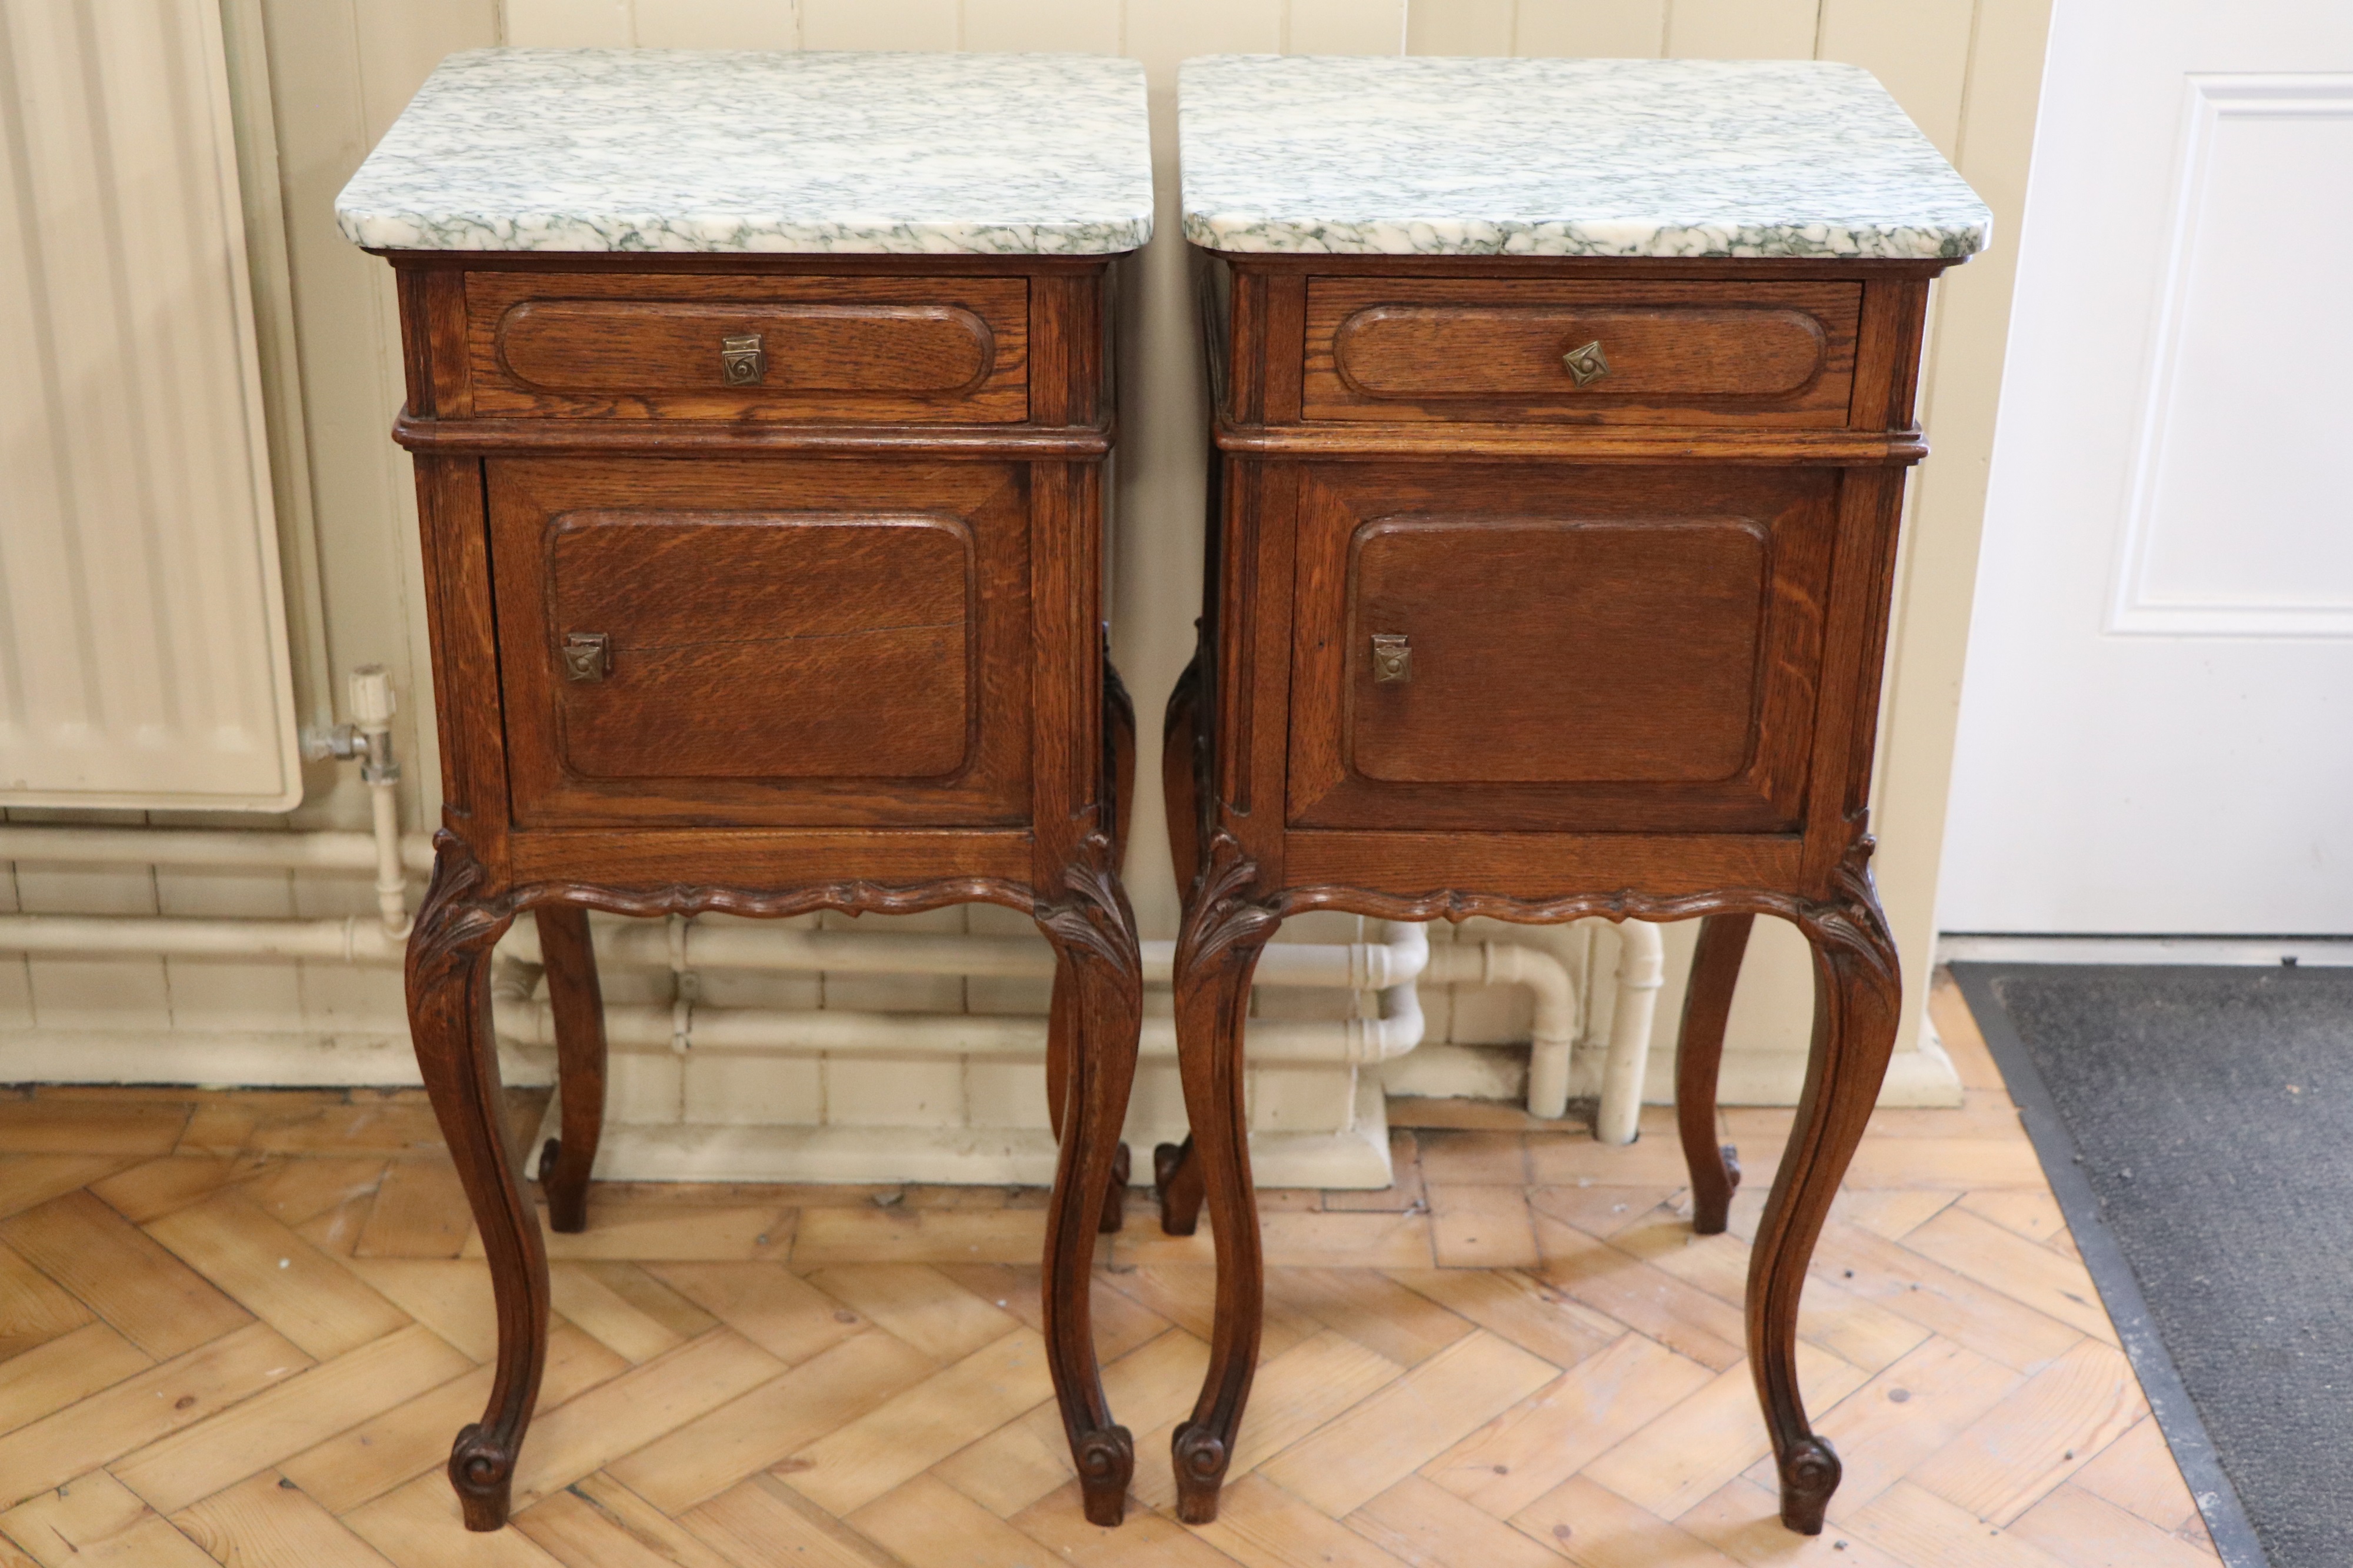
(242, 1328)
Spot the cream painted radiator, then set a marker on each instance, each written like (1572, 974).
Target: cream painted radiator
(143, 656)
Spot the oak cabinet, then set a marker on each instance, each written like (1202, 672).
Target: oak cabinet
(759, 463)
(1562, 409)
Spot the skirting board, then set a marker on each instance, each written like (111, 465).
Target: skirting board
(2261, 950)
(973, 1156)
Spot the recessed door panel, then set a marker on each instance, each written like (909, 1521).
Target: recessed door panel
(755, 644)
(1546, 648)
(1555, 650)
(771, 643)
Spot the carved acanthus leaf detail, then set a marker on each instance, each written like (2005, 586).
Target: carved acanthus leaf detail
(1223, 916)
(1093, 916)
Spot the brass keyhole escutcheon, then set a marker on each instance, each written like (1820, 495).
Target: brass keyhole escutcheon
(742, 361)
(1392, 658)
(1586, 363)
(588, 656)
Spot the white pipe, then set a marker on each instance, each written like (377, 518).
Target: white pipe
(226, 849)
(354, 939)
(1352, 967)
(1642, 971)
(1554, 1030)
(645, 944)
(372, 710)
(652, 1028)
(1403, 961)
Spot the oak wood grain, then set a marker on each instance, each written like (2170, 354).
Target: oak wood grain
(1632, 626)
(835, 621)
(592, 345)
(1491, 348)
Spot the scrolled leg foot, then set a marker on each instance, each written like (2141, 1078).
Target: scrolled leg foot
(482, 1469)
(1226, 927)
(1115, 1207)
(1201, 1457)
(569, 953)
(1102, 973)
(450, 1022)
(1177, 1183)
(1857, 997)
(567, 1202)
(1106, 1464)
(1713, 1218)
(1810, 1474)
(1699, 1052)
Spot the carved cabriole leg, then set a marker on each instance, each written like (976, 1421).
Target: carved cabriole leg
(1093, 934)
(1217, 951)
(1699, 1053)
(1062, 1017)
(1856, 993)
(1176, 1173)
(1119, 736)
(1177, 1183)
(578, 1003)
(1119, 743)
(448, 1016)
(1061, 1048)
(1180, 786)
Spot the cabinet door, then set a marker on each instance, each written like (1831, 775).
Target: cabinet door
(764, 642)
(1557, 648)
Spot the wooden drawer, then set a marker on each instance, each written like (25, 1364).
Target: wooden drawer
(763, 642)
(758, 347)
(1557, 648)
(1508, 350)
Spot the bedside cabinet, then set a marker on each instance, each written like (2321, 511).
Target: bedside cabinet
(759, 406)
(1562, 413)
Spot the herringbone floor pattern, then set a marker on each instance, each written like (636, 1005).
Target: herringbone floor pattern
(242, 1328)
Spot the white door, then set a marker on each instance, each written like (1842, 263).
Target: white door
(2157, 723)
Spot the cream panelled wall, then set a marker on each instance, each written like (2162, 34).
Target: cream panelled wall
(337, 71)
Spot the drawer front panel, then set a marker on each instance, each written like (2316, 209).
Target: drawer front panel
(1730, 353)
(1557, 649)
(750, 643)
(752, 347)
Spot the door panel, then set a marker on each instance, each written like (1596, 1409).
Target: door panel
(1495, 614)
(849, 636)
(770, 643)
(1596, 649)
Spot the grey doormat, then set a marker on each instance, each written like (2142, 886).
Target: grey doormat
(2196, 1124)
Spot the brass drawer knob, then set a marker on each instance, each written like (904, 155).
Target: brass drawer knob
(588, 656)
(1586, 363)
(1392, 658)
(742, 361)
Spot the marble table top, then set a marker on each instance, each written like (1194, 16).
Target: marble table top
(600, 150)
(1439, 156)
